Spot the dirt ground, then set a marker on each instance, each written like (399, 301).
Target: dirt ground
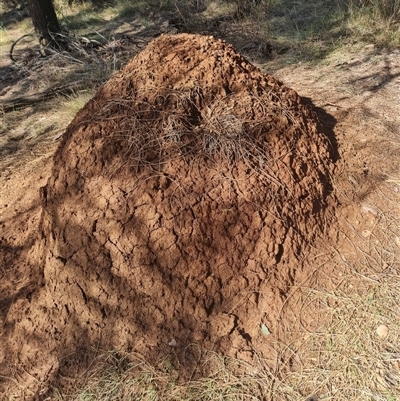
(143, 228)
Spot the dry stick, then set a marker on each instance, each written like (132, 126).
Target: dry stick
(14, 44)
(20, 102)
(65, 56)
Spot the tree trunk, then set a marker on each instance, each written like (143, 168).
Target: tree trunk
(46, 24)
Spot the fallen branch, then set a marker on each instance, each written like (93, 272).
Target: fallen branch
(14, 44)
(64, 90)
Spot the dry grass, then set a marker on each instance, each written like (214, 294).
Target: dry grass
(71, 105)
(155, 132)
(5, 40)
(124, 377)
(345, 357)
(375, 22)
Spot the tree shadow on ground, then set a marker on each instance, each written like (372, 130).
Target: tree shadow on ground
(11, 17)
(304, 31)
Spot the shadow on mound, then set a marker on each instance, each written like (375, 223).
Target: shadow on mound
(182, 201)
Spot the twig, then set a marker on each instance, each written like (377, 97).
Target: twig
(14, 44)
(20, 102)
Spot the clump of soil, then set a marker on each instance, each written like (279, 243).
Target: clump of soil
(182, 201)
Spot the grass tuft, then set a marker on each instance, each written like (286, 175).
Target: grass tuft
(375, 22)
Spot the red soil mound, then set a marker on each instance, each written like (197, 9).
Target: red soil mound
(182, 200)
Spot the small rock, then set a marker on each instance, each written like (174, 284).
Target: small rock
(264, 330)
(369, 209)
(382, 331)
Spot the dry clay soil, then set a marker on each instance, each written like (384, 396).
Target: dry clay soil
(182, 204)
